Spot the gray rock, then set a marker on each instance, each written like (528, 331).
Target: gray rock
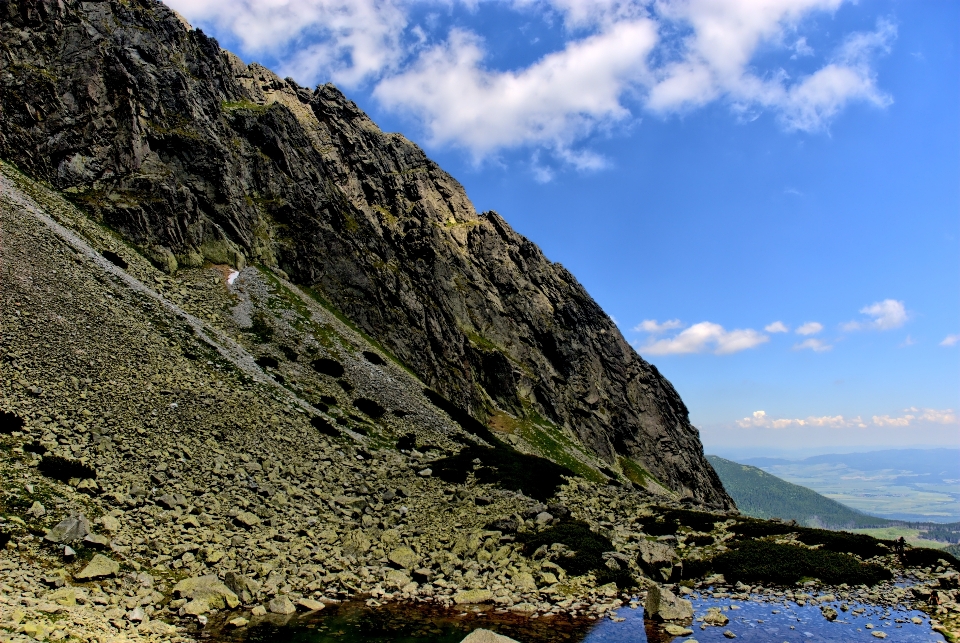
(656, 559)
(244, 587)
(663, 605)
(281, 605)
(69, 530)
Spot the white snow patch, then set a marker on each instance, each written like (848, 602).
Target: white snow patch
(232, 277)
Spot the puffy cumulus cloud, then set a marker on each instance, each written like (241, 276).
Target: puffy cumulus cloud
(617, 58)
(887, 315)
(813, 344)
(776, 327)
(706, 336)
(552, 103)
(914, 416)
(653, 327)
(348, 41)
(950, 340)
(910, 417)
(810, 328)
(716, 62)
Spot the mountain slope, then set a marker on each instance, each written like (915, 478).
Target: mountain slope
(194, 157)
(762, 495)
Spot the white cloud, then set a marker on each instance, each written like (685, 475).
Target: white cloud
(950, 340)
(706, 336)
(776, 327)
(910, 417)
(349, 41)
(716, 62)
(553, 102)
(813, 344)
(759, 419)
(810, 328)
(617, 58)
(653, 327)
(887, 315)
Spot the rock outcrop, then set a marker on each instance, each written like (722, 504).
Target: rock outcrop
(196, 157)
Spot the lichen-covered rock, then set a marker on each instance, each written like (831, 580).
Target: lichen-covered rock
(486, 636)
(99, 567)
(472, 596)
(205, 593)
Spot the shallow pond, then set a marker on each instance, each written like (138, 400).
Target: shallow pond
(752, 621)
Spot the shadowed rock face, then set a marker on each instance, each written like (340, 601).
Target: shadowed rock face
(194, 156)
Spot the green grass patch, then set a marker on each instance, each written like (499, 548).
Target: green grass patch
(550, 442)
(245, 105)
(333, 310)
(501, 464)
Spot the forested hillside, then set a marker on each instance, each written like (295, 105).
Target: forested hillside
(762, 495)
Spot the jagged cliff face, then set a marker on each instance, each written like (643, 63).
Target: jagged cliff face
(193, 157)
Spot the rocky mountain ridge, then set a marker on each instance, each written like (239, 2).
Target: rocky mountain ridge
(196, 158)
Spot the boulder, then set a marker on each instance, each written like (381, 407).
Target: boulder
(486, 636)
(69, 530)
(404, 557)
(310, 605)
(715, 617)
(656, 559)
(664, 605)
(205, 593)
(472, 596)
(828, 613)
(243, 586)
(281, 605)
(99, 567)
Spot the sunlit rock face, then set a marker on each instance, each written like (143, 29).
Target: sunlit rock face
(194, 156)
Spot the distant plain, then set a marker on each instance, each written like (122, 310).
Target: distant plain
(900, 484)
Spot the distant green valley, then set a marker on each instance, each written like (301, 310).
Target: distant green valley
(762, 495)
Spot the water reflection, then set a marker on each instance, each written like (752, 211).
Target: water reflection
(762, 622)
(752, 621)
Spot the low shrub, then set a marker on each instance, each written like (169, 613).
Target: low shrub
(845, 543)
(841, 542)
(327, 366)
(324, 427)
(373, 358)
(696, 520)
(588, 548)
(266, 361)
(10, 422)
(369, 408)
(64, 469)
(115, 259)
(928, 557)
(504, 466)
(769, 562)
(756, 528)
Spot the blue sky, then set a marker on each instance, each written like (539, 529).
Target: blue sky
(706, 169)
